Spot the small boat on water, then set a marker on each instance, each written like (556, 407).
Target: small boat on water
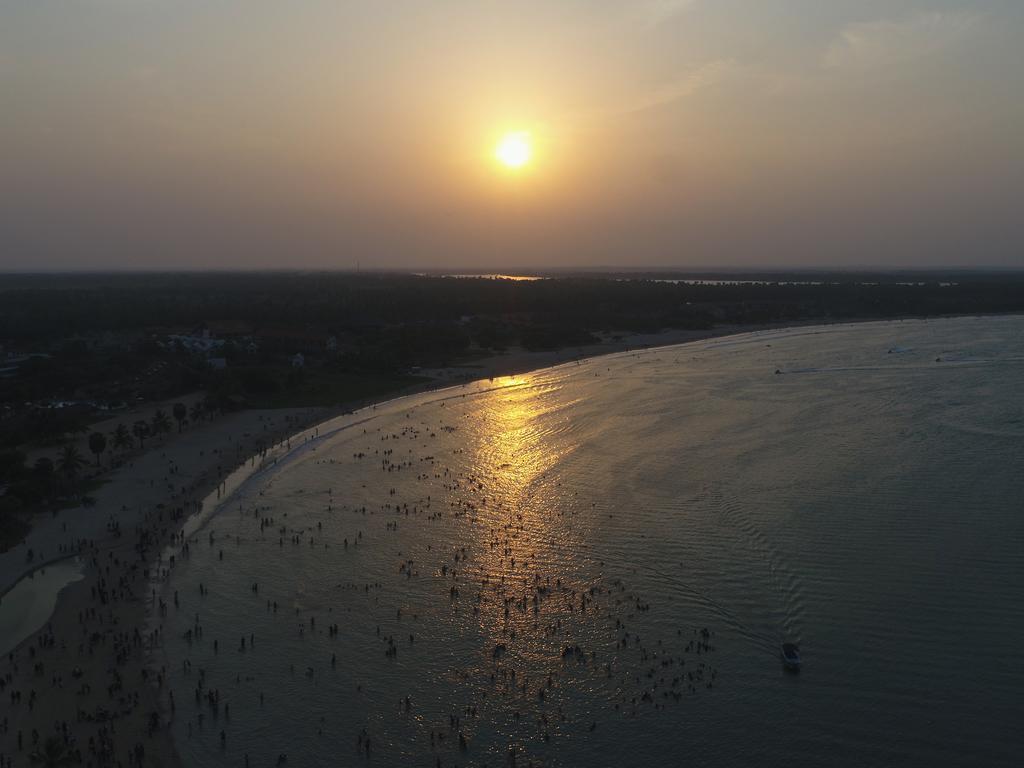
(791, 655)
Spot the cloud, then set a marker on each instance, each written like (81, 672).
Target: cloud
(634, 101)
(659, 11)
(888, 43)
(686, 85)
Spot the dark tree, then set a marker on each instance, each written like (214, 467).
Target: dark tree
(141, 431)
(70, 463)
(180, 414)
(97, 444)
(160, 422)
(121, 437)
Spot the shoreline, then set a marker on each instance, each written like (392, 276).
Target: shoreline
(127, 609)
(31, 574)
(107, 613)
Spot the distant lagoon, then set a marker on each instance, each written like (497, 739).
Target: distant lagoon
(686, 280)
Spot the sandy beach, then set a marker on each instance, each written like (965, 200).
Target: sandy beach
(85, 675)
(86, 678)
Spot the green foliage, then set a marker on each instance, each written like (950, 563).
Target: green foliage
(555, 337)
(121, 438)
(160, 422)
(384, 325)
(38, 426)
(70, 463)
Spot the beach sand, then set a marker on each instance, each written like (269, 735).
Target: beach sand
(88, 669)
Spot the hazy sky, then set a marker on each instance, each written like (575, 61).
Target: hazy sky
(280, 133)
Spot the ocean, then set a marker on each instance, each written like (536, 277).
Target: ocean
(596, 564)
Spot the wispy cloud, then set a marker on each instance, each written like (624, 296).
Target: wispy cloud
(659, 11)
(638, 101)
(687, 84)
(885, 43)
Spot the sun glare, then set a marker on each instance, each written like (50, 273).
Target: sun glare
(513, 151)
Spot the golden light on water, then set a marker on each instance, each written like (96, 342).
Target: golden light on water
(528, 562)
(514, 150)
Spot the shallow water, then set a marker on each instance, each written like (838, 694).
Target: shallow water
(596, 564)
(28, 605)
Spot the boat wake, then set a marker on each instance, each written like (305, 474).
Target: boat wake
(785, 585)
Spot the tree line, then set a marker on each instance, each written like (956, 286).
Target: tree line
(65, 478)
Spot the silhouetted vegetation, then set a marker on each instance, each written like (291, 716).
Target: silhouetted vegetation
(117, 338)
(113, 339)
(77, 348)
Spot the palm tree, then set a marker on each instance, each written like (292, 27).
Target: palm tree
(195, 413)
(70, 463)
(97, 444)
(54, 754)
(160, 422)
(141, 430)
(180, 412)
(121, 437)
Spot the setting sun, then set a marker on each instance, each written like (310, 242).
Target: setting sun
(513, 151)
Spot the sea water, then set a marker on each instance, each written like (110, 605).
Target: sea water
(29, 604)
(596, 564)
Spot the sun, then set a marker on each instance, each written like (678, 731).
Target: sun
(514, 151)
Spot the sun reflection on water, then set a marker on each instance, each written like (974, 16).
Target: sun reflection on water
(528, 572)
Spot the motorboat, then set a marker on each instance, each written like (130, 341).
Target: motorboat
(791, 655)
